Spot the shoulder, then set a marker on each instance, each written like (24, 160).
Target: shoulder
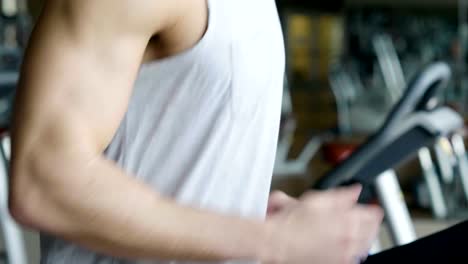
(149, 16)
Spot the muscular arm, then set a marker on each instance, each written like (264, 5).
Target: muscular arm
(74, 89)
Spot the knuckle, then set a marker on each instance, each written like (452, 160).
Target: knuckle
(347, 241)
(352, 223)
(310, 200)
(350, 236)
(277, 195)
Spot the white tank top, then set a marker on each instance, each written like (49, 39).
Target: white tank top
(202, 126)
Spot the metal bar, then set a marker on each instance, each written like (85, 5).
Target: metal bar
(445, 160)
(397, 215)
(14, 242)
(463, 35)
(462, 162)
(390, 66)
(395, 80)
(376, 247)
(438, 205)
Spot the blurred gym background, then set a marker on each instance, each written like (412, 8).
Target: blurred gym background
(348, 61)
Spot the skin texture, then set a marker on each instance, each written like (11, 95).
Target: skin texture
(62, 184)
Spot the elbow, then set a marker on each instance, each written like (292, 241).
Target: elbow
(19, 212)
(29, 193)
(22, 200)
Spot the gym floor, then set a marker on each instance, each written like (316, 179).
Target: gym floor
(424, 226)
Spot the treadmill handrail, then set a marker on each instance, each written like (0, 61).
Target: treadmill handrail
(414, 110)
(436, 123)
(439, 122)
(420, 93)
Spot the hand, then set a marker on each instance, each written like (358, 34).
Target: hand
(279, 201)
(321, 227)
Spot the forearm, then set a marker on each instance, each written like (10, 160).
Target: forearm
(98, 206)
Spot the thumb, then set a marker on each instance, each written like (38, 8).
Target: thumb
(346, 196)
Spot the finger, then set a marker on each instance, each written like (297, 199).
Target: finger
(345, 196)
(278, 200)
(339, 199)
(368, 220)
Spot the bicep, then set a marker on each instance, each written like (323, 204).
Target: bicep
(77, 76)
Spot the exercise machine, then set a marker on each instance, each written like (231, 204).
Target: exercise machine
(286, 167)
(415, 122)
(395, 82)
(13, 236)
(14, 244)
(449, 171)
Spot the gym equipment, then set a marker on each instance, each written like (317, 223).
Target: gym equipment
(354, 114)
(462, 162)
(416, 121)
(8, 81)
(461, 58)
(363, 110)
(15, 252)
(14, 242)
(395, 81)
(393, 68)
(15, 29)
(453, 166)
(297, 167)
(359, 111)
(436, 196)
(390, 66)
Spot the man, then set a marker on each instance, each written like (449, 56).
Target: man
(145, 132)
